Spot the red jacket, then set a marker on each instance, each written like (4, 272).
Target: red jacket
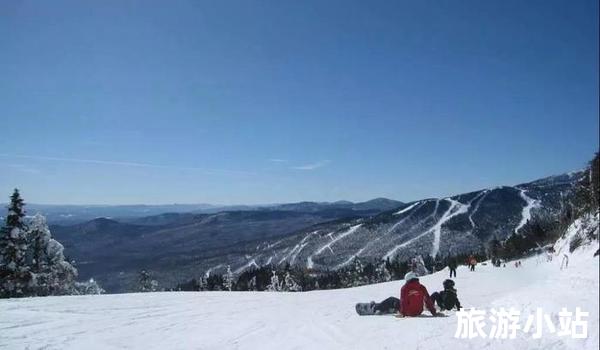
(412, 297)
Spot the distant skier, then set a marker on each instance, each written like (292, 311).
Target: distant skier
(447, 299)
(549, 254)
(565, 262)
(472, 262)
(452, 267)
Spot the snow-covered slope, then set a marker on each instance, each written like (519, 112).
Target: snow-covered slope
(311, 320)
(445, 226)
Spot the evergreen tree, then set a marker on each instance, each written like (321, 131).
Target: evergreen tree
(252, 284)
(214, 282)
(383, 273)
(290, 284)
(39, 236)
(146, 283)
(275, 285)
(51, 273)
(15, 274)
(354, 275)
(228, 279)
(202, 283)
(88, 288)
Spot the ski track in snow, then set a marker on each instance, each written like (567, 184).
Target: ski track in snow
(530, 204)
(393, 251)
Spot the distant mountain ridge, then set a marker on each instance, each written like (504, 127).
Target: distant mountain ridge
(74, 214)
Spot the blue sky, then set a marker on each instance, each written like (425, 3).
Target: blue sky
(115, 102)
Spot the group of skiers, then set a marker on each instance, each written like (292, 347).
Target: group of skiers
(452, 265)
(414, 295)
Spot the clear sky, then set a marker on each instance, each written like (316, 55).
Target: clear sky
(277, 101)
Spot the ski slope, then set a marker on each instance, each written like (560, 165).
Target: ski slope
(311, 320)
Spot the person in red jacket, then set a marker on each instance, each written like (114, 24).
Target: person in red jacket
(412, 297)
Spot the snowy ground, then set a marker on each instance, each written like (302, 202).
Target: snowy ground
(313, 320)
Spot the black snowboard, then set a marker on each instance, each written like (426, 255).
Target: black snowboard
(365, 309)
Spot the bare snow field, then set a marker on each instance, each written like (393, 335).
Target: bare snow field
(310, 320)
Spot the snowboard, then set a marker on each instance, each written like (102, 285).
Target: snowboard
(365, 309)
(368, 309)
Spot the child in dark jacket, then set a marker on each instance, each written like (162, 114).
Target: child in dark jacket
(447, 299)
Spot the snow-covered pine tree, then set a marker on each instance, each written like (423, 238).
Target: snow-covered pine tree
(228, 279)
(51, 273)
(356, 273)
(14, 271)
(202, 283)
(38, 236)
(87, 288)
(383, 274)
(252, 284)
(419, 266)
(291, 285)
(275, 285)
(146, 283)
(62, 273)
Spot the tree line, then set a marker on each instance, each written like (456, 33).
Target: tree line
(32, 263)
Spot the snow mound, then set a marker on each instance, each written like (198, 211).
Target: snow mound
(577, 236)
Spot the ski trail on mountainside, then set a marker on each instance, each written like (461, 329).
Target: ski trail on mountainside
(456, 208)
(293, 254)
(407, 208)
(207, 273)
(530, 204)
(247, 265)
(393, 251)
(481, 197)
(449, 214)
(350, 259)
(390, 230)
(351, 230)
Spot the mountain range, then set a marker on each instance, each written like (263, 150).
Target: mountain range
(176, 246)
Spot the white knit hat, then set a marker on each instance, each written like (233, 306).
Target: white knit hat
(410, 276)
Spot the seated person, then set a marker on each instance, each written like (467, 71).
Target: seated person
(447, 299)
(412, 297)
